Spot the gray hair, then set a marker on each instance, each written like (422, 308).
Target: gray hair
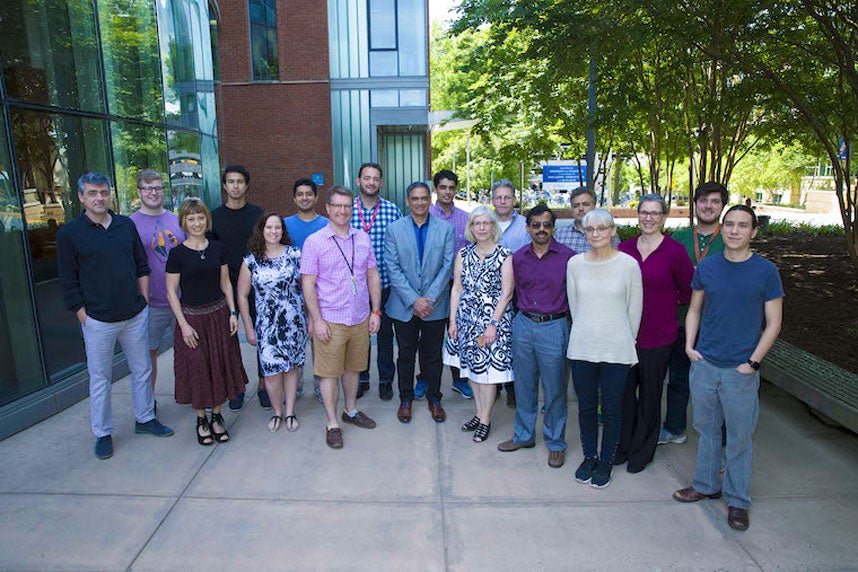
(339, 190)
(596, 216)
(92, 178)
(653, 198)
(503, 183)
(483, 210)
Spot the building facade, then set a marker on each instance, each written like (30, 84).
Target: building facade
(290, 89)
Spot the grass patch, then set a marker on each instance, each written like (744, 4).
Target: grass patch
(783, 228)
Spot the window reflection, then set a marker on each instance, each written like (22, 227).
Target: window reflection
(20, 370)
(177, 63)
(263, 39)
(50, 53)
(137, 147)
(53, 150)
(186, 170)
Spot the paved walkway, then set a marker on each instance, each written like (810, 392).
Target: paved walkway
(405, 497)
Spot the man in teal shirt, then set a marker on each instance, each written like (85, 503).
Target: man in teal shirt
(701, 240)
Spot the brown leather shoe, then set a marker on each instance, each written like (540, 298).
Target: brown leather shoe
(404, 413)
(334, 438)
(556, 459)
(360, 420)
(438, 413)
(737, 518)
(511, 445)
(690, 494)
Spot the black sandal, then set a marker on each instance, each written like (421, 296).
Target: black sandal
(223, 436)
(274, 423)
(205, 440)
(291, 423)
(482, 433)
(472, 424)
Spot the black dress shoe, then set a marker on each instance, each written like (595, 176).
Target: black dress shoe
(737, 518)
(363, 387)
(385, 391)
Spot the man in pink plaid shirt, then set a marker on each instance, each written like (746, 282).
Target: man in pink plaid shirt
(342, 291)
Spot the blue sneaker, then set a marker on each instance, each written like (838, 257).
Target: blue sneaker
(153, 427)
(420, 389)
(237, 403)
(104, 447)
(463, 389)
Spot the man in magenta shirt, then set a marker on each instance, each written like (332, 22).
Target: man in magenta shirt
(342, 291)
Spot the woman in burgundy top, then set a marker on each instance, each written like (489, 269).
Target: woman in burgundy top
(667, 271)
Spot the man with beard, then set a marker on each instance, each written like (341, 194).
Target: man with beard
(540, 334)
(373, 214)
(701, 240)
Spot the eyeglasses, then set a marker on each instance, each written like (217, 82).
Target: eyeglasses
(151, 189)
(337, 206)
(481, 223)
(597, 229)
(650, 214)
(541, 224)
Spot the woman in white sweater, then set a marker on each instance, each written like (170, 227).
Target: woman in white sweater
(605, 300)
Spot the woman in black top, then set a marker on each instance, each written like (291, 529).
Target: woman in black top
(207, 360)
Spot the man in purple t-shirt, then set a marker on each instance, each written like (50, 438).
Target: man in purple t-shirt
(160, 231)
(540, 334)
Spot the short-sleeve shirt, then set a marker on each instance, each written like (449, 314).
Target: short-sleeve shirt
(299, 229)
(340, 265)
(458, 218)
(362, 219)
(160, 234)
(735, 295)
(199, 272)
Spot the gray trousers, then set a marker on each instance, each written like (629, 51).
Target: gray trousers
(100, 339)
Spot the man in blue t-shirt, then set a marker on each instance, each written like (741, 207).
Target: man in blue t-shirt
(306, 221)
(736, 308)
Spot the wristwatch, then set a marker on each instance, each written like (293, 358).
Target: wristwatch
(754, 364)
(234, 313)
(493, 323)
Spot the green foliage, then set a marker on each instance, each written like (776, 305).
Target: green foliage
(627, 231)
(784, 227)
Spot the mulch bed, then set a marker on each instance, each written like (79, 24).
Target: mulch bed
(821, 287)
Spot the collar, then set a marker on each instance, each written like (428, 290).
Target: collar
(425, 224)
(90, 222)
(553, 246)
(329, 231)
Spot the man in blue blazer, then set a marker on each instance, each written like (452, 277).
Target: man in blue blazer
(418, 254)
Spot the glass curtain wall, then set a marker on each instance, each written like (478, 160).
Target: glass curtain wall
(90, 85)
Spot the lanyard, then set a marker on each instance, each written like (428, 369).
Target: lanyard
(352, 265)
(697, 255)
(372, 219)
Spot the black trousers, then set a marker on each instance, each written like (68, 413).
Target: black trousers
(641, 408)
(427, 337)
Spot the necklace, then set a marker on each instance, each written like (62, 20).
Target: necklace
(203, 253)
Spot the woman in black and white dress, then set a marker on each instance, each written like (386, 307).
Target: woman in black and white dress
(272, 269)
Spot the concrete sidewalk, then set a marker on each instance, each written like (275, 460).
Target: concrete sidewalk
(421, 496)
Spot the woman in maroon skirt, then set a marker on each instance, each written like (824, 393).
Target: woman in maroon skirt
(207, 358)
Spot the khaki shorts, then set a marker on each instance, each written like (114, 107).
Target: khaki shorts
(346, 350)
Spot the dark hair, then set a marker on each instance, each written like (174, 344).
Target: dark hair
(710, 187)
(583, 191)
(92, 178)
(305, 183)
(339, 190)
(256, 242)
(540, 209)
(744, 209)
(417, 185)
(370, 166)
(445, 174)
(240, 169)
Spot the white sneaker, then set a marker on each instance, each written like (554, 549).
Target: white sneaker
(665, 436)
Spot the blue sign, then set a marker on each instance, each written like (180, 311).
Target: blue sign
(319, 178)
(842, 150)
(564, 174)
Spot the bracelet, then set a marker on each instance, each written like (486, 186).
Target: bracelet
(493, 322)
(376, 312)
(234, 313)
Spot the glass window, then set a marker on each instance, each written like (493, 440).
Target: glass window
(412, 98)
(186, 169)
(382, 24)
(137, 147)
(211, 172)
(49, 51)
(263, 39)
(213, 35)
(132, 66)
(412, 37)
(383, 64)
(384, 98)
(52, 152)
(177, 63)
(20, 362)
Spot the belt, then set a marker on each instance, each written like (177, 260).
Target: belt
(539, 318)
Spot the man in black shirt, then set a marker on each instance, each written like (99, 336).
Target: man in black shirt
(105, 278)
(232, 225)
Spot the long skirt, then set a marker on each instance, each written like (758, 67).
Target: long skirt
(213, 372)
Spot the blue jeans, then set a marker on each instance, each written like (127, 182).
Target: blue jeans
(384, 347)
(589, 380)
(720, 395)
(537, 354)
(99, 339)
(676, 417)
